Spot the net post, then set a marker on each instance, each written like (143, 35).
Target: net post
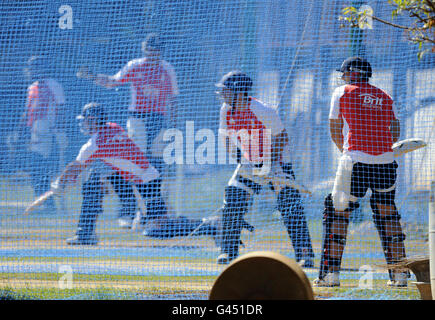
(432, 237)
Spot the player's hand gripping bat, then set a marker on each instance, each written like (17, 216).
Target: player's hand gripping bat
(83, 73)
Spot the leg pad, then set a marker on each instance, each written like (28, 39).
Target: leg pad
(235, 207)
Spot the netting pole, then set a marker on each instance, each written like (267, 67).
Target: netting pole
(432, 237)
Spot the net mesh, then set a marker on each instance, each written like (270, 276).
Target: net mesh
(138, 239)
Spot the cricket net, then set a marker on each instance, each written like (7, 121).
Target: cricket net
(290, 49)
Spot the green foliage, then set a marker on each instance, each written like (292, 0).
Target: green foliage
(422, 29)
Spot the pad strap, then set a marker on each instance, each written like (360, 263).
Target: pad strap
(338, 239)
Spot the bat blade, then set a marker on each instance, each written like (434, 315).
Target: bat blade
(408, 145)
(281, 181)
(38, 202)
(141, 212)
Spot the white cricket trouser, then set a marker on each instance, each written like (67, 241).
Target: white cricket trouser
(137, 131)
(41, 138)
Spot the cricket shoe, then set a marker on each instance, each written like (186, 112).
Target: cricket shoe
(305, 257)
(225, 258)
(78, 240)
(157, 228)
(212, 226)
(138, 222)
(125, 222)
(399, 280)
(306, 263)
(332, 279)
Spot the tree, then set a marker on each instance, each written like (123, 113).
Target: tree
(421, 31)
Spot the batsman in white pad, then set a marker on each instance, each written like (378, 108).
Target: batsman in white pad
(363, 125)
(257, 134)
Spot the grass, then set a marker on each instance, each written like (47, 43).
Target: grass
(95, 278)
(126, 265)
(100, 293)
(347, 291)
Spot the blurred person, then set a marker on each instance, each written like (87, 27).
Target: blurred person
(111, 154)
(363, 125)
(152, 109)
(41, 126)
(154, 89)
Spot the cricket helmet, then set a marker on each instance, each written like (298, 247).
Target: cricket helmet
(152, 43)
(236, 81)
(356, 64)
(94, 111)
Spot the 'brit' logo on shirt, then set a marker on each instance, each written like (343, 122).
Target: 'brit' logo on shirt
(371, 101)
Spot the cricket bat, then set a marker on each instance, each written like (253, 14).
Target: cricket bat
(142, 209)
(38, 202)
(407, 145)
(280, 182)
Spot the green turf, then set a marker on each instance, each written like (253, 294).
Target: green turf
(100, 293)
(198, 196)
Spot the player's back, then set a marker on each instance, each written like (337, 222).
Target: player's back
(42, 99)
(113, 141)
(152, 84)
(112, 145)
(367, 112)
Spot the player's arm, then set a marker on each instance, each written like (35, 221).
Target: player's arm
(172, 109)
(32, 100)
(126, 74)
(69, 174)
(22, 124)
(336, 130)
(395, 129)
(173, 92)
(395, 123)
(76, 167)
(336, 122)
(231, 148)
(24, 116)
(21, 132)
(278, 143)
(224, 132)
(106, 81)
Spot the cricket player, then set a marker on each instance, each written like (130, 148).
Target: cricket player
(154, 88)
(255, 129)
(363, 124)
(109, 152)
(45, 99)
